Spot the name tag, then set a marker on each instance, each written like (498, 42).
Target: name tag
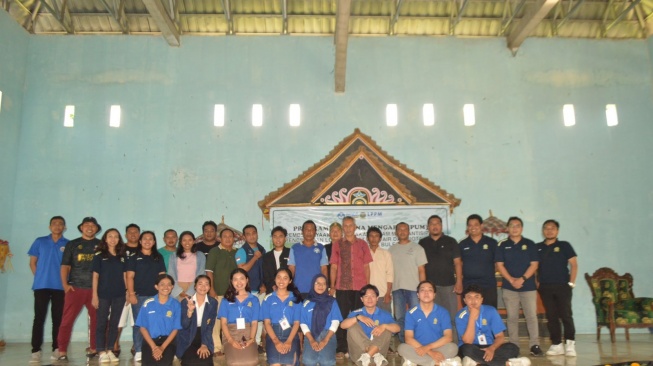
(481, 340)
(240, 323)
(284, 323)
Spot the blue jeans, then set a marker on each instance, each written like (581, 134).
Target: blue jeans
(108, 306)
(138, 337)
(401, 298)
(326, 357)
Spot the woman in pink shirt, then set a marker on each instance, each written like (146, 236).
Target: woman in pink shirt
(186, 266)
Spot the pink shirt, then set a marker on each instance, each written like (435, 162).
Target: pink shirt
(360, 255)
(187, 268)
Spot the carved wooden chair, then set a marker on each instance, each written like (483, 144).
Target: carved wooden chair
(615, 304)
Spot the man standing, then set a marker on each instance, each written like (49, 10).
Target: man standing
(369, 330)
(209, 238)
(250, 258)
(170, 248)
(517, 260)
(410, 257)
(307, 259)
(444, 267)
(480, 334)
(381, 269)
(219, 264)
(45, 256)
(350, 271)
(429, 340)
(275, 259)
(132, 234)
(556, 285)
(77, 281)
(477, 254)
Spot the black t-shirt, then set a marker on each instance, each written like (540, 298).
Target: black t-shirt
(146, 269)
(129, 251)
(202, 247)
(440, 255)
(79, 254)
(554, 262)
(110, 272)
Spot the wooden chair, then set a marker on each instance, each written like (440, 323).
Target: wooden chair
(615, 304)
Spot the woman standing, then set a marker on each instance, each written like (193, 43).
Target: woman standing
(198, 316)
(280, 314)
(159, 323)
(320, 318)
(239, 316)
(143, 270)
(108, 291)
(186, 266)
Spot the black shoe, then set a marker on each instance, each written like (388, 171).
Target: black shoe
(536, 351)
(261, 350)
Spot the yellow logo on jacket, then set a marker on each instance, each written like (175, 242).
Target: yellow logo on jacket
(249, 304)
(524, 247)
(556, 249)
(435, 320)
(169, 313)
(484, 322)
(208, 321)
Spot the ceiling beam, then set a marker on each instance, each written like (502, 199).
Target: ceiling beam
(518, 8)
(459, 13)
(621, 15)
(284, 13)
(166, 25)
(395, 17)
(117, 12)
(569, 14)
(341, 40)
(226, 6)
(60, 15)
(531, 19)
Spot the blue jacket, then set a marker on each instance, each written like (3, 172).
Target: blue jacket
(189, 326)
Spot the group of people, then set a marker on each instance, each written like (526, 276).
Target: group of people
(196, 300)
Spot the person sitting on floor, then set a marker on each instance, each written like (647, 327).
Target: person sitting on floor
(369, 330)
(480, 334)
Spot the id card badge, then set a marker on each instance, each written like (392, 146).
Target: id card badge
(240, 323)
(481, 340)
(284, 323)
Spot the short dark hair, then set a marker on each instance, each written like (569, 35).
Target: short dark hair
(131, 226)
(551, 221)
(281, 229)
(474, 217)
(227, 229)
(434, 217)
(309, 222)
(210, 223)
(249, 226)
(363, 290)
(348, 218)
(374, 229)
(162, 277)
(515, 218)
(473, 288)
(169, 230)
(58, 218)
(427, 282)
(401, 223)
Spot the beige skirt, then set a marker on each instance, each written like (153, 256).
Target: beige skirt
(247, 356)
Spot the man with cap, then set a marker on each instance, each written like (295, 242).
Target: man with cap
(77, 280)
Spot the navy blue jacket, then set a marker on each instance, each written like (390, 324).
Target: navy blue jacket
(187, 334)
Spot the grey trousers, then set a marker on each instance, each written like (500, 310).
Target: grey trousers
(528, 301)
(449, 300)
(358, 343)
(408, 352)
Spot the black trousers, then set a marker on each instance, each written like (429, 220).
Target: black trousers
(502, 354)
(168, 354)
(556, 299)
(191, 357)
(42, 299)
(348, 301)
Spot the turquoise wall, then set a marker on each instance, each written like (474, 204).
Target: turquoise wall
(167, 166)
(13, 60)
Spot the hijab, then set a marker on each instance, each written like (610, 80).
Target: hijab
(323, 304)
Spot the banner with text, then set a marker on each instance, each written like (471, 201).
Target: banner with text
(383, 217)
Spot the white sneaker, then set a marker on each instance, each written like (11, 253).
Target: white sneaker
(104, 358)
(364, 360)
(113, 357)
(556, 350)
(55, 355)
(570, 348)
(468, 361)
(36, 357)
(455, 361)
(379, 360)
(521, 361)
(408, 363)
(138, 356)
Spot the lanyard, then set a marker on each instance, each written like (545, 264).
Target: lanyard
(479, 321)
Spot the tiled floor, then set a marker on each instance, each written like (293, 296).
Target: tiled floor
(590, 352)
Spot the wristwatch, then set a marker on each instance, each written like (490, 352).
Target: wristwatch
(571, 284)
